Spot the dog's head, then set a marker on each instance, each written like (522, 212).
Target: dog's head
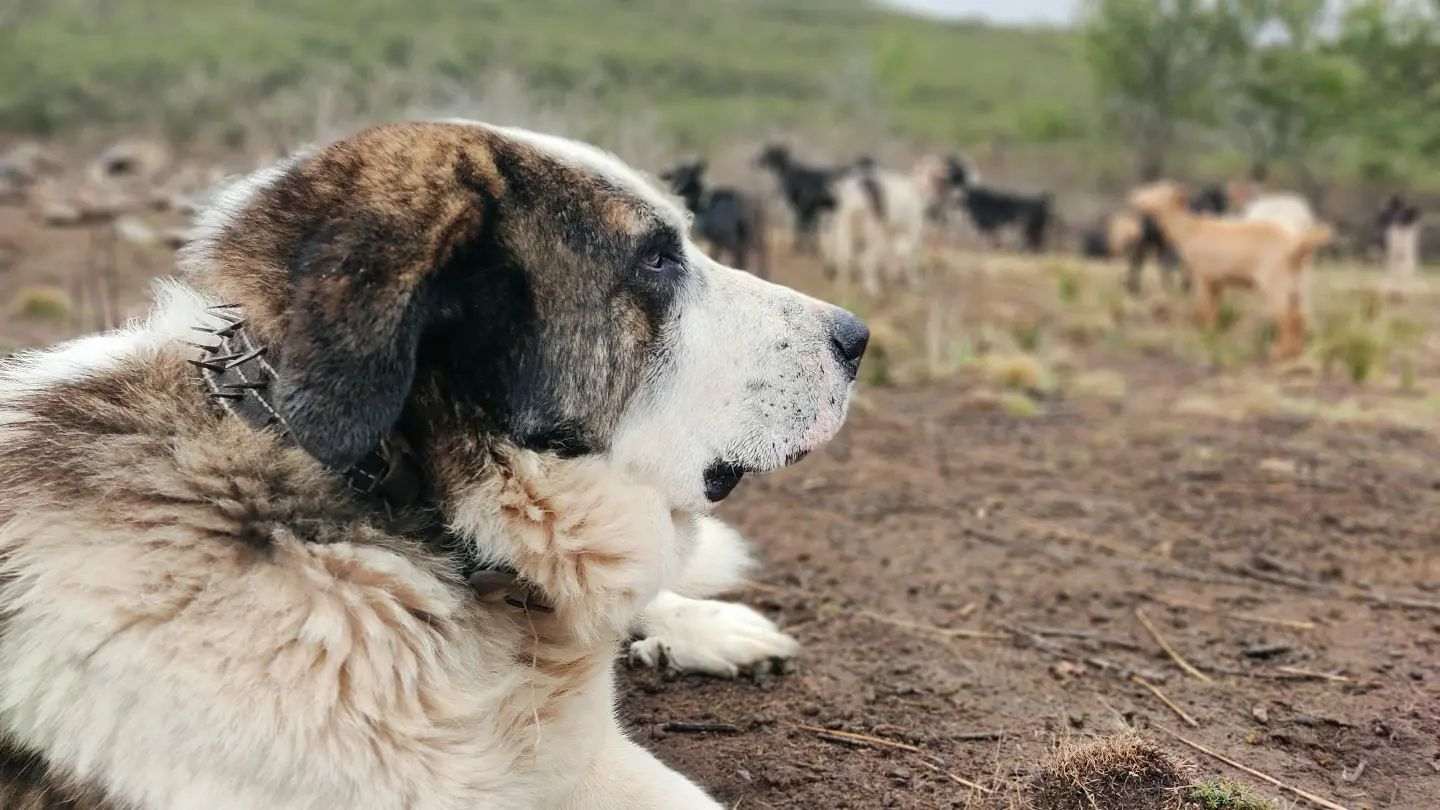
(469, 284)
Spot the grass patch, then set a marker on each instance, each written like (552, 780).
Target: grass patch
(1018, 372)
(1020, 406)
(722, 70)
(42, 303)
(1069, 284)
(1225, 795)
(1102, 384)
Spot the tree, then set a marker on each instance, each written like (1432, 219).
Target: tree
(1158, 63)
(1290, 91)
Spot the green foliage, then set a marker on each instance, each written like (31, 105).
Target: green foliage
(1279, 75)
(1156, 61)
(43, 303)
(705, 72)
(1225, 795)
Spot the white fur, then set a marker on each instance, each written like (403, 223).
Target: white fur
(887, 244)
(691, 633)
(1289, 211)
(1402, 250)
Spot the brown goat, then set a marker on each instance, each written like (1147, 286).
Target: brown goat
(1224, 253)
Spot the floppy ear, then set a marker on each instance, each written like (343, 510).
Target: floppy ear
(347, 359)
(361, 297)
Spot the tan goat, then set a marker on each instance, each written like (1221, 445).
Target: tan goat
(1220, 253)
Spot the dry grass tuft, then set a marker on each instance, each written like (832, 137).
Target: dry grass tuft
(1018, 372)
(1123, 772)
(1102, 384)
(42, 303)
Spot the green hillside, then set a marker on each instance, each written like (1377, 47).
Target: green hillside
(702, 71)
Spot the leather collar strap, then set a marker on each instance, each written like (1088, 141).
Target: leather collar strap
(236, 375)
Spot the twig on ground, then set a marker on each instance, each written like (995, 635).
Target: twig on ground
(1179, 712)
(1293, 624)
(1083, 635)
(1304, 794)
(979, 736)
(1165, 645)
(851, 738)
(1297, 672)
(956, 779)
(1352, 591)
(700, 728)
(944, 632)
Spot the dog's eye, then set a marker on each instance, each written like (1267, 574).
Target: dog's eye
(658, 261)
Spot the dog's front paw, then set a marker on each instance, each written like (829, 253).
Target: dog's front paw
(709, 637)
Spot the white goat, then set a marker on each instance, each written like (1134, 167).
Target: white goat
(878, 227)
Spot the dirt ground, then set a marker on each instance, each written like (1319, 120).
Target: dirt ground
(971, 571)
(930, 519)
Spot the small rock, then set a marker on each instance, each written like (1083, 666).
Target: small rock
(1261, 714)
(60, 214)
(1279, 467)
(135, 231)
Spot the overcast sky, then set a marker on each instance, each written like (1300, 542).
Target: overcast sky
(1054, 12)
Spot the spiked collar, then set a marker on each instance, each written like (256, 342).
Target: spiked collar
(237, 376)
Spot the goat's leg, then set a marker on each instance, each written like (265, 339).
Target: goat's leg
(1207, 303)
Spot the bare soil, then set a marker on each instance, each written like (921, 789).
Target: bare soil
(931, 514)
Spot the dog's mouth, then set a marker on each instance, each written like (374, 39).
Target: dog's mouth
(722, 477)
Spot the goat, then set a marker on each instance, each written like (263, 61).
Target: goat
(807, 190)
(732, 221)
(878, 226)
(1220, 253)
(1150, 241)
(1400, 225)
(992, 209)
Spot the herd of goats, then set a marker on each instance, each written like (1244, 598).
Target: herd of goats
(869, 225)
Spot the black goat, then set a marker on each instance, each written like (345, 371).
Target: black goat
(992, 209)
(732, 221)
(807, 190)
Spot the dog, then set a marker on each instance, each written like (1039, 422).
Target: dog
(1220, 253)
(457, 401)
(807, 190)
(992, 209)
(731, 221)
(878, 227)
(1399, 224)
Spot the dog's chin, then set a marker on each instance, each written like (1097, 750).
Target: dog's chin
(722, 477)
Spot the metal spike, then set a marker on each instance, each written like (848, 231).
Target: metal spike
(223, 395)
(247, 386)
(224, 306)
(229, 331)
(227, 317)
(206, 365)
(207, 330)
(247, 357)
(224, 359)
(202, 346)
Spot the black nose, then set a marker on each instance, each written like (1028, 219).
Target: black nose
(848, 336)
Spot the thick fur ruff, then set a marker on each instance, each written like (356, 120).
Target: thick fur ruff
(176, 581)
